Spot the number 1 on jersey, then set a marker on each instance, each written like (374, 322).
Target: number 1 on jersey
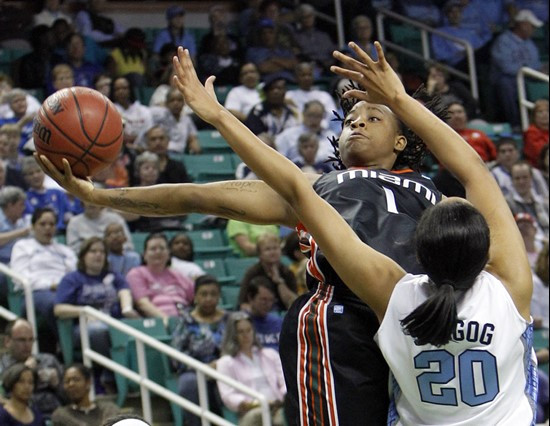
(390, 200)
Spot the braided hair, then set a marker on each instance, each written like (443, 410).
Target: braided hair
(411, 157)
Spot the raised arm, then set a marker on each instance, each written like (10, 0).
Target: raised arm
(507, 258)
(368, 273)
(247, 201)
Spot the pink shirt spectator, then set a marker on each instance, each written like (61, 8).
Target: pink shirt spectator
(164, 290)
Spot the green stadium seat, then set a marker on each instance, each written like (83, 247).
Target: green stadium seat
(212, 142)
(138, 240)
(16, 298)
(238, 266)
(221, 93)
(65, 328)
(209, 243)
(536, 90)
(216, 267)
(230, 297)
(209, 167)
(145, 93)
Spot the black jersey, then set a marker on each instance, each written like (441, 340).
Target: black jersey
(334, 370)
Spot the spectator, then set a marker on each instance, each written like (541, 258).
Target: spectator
(181, 130)
(218, 19)
(450, 91)
(43, 262)
(494, 13)
(17, 101)
(6, 85)
(47, 393)
(102, 83)
(62, 77)
(34, 67)
(361, 27)
(291, 249)
(247, 362)
(271, 58)
(77, 382)
(286, 142)
(147, 171)
(282, 281)
(241, 99)
(38, 196)
(129, 59)
(273, 11)
(92, 223)
(528, 229)
(181, 249)
(49, 12)
(248, 19)
(525, 200)
(272, 116)
(507, 156)
(137, 117)
(259, 301)
(93, 285)
(424, 11)
(536, 135)
(19, 382)
(120, 259)
(243, 237)
(539, 301)
(308, 146)
(198, 333)
(306, 92)
(538, 7)
(510, 51)
(477, 139)
(315, 45)
(176, 33)
(220, 61)
(10, 136)
(13, 225)
(100, 28)
(450, 52)
(156, 288)
(84, 72)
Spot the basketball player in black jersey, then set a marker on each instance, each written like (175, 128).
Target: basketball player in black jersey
(335, 373)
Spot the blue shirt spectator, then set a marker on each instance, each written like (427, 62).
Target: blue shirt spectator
(422, 10)
(538, 7)
(175, 33)
(268, 329)
(13, 224)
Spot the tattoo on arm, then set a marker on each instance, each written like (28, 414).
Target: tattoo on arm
(241, 186)
(142, 206)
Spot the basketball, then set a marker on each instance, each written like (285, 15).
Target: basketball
(81, 125)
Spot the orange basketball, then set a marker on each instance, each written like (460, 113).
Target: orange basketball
(81, 125)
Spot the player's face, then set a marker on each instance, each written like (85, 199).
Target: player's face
(156, 253)
(207, 298)
(370, 137)
(262, 303)
(245, 334)
(75, 384)
(44, 228)
(94, 259)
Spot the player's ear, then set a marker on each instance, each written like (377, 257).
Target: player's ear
(399, 143)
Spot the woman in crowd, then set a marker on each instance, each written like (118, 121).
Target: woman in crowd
(259, 368)
(77, 382)
(198, 333)
(181, 249)
(93, 285)
(536, 135)
(18, 382)
(158, 290)
(43, 262)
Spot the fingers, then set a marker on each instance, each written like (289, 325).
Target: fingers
(46, 165)
(349, 62)
(67, 168)
(357, 94)
(347, 73)
(209, 85)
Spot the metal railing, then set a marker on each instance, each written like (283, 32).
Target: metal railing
(425, 30)
(524, 103)
(29, 302)
(147, 385)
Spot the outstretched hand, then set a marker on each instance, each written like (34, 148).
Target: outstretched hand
(380, 82)
(79, 187)
(201, 99)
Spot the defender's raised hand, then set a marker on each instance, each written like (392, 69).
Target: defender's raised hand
(201, 99)
(382, 85)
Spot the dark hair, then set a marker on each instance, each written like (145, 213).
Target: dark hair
(452, 244)
(411, 157)
(112, 421)
(153, 236)
(82, 369)
(206, 280)
(540, 161)
(506, 141)
(131, 88)
(183, 234)
(41, 211)
(253, 287)
(85, 248)
(291, 244)
(12, 375)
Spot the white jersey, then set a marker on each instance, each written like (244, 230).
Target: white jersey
(485, 376)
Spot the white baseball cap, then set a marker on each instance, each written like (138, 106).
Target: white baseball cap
(527, 15)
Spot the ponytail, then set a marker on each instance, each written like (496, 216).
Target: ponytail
(434, 321)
